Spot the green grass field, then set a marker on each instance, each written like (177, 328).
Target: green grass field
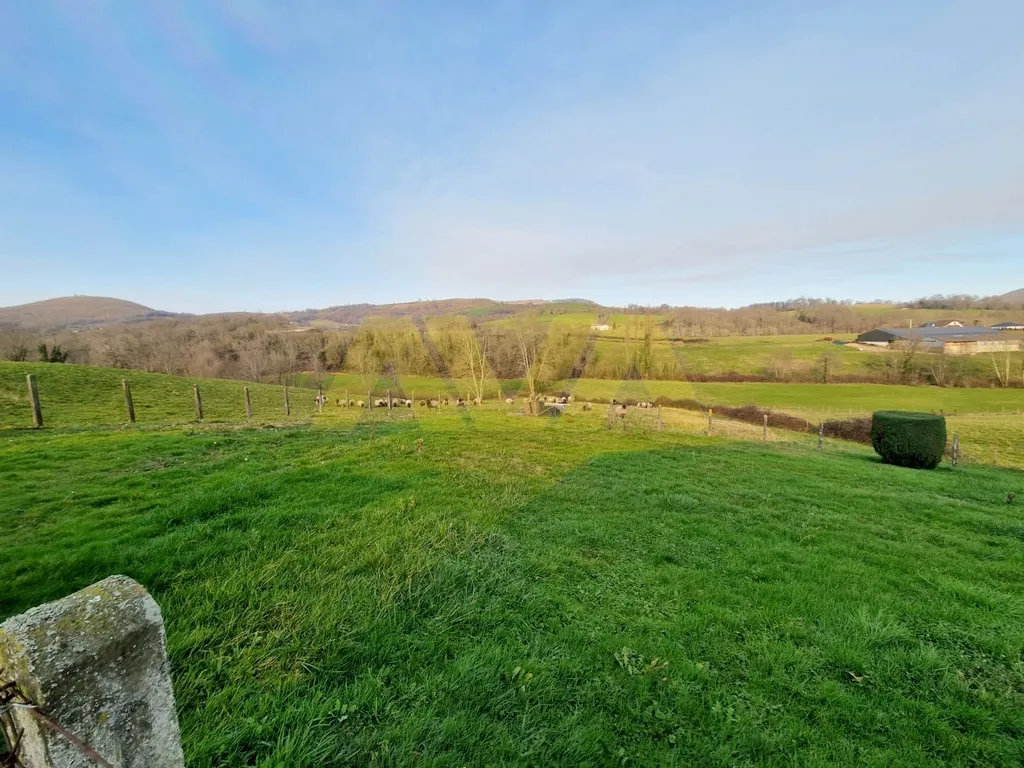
(858, 399)
(80, 395)
(541, 591)
(990, 421)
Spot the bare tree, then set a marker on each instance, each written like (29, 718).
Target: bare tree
(529, 339)
(1002, 367)
(471, 360)
(943, 371)
(900, 361)
(312, 349)
(17, 353)
(254, 357)
(779, 364)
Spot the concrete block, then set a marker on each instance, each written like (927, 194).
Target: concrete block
(96, 663)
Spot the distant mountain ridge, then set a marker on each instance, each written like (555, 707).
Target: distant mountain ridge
(93, 311)
(76, 311)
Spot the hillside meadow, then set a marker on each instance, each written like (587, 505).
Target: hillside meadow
(989, 421)
(540, 591)
(818, 399)
(81, 395)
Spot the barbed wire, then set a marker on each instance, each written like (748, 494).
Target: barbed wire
(11, 699)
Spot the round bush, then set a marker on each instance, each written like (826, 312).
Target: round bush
(909, 439)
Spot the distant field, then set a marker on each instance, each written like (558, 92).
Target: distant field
(81, 395)
(811, 398)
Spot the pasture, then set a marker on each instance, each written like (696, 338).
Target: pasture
(817, 399)
(80, 396)
(540, 591)
(990, 421)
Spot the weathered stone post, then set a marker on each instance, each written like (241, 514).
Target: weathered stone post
(91, 675)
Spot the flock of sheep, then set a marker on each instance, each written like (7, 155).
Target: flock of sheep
(404, 402)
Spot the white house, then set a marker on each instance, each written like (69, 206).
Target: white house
(600, 327)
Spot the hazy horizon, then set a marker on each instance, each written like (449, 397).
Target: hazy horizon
(241, 156)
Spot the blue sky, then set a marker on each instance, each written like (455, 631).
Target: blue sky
(261, 155)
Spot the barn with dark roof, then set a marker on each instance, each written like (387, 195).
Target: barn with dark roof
(949, 341)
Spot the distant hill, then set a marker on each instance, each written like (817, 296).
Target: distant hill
(76, 311)
(1014, 297)
(481, 309)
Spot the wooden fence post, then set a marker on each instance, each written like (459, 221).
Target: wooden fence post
(764, 433)
(388, 395)
(287, 405)
(956, 450)
(128, 404)
(711, 415)
(199, 402)
(33, 396)
(248, 404)
(369, 399)
(821, 435)
(319, 400)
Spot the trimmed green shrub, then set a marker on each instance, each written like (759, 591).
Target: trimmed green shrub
(909, 439)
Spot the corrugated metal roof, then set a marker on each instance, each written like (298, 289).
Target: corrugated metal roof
(971, 333)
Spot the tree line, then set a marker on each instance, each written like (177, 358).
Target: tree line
(533, 347)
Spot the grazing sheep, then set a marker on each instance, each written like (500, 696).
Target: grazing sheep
(562, 400)
(360, 404)
(620, 411)
(422, 403)
(351, 403)
(381, 403)
(477, 401)
(570, 399)
(337, 401)
(510, 401)
(587, 406)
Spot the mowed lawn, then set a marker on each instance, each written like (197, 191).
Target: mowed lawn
(541, 592)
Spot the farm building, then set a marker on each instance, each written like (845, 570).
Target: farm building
(600, 327)
(948, 341)
(944, 324)
(1008, 326)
